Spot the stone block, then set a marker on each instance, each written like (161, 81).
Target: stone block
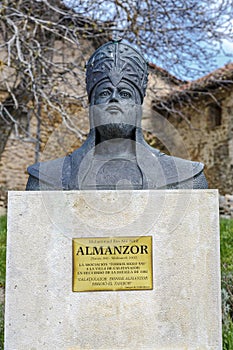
(182, 311)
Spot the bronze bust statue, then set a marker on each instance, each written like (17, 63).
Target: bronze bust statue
(115, 154)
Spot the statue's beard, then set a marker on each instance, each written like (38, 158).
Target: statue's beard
(115, 120)
(115, 130)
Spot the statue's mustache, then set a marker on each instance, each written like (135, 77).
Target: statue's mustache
(114, 107)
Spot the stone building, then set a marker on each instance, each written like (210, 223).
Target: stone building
(195, 120)
(189, 119)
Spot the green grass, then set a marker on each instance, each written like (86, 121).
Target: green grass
(226, 248)
(1, 326)
(2, 250)
(227, 335)
(2, 272)
(226, 227)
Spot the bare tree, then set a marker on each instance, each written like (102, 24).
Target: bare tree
(180, 35)
(43, 54)
(44, 44)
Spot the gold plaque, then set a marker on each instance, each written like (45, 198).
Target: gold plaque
(112, 263)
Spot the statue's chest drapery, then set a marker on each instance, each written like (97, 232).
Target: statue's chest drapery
(113, 174)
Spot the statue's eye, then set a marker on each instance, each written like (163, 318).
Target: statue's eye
(125, 94)
(104, 93)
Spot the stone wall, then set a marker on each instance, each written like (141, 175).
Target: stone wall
(3, 202)
(57, 140)
(226, 206)
(201, 130)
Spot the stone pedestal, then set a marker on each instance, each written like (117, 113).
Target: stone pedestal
(182, 311)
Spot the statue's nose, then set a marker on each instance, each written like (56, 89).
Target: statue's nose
(114, 97)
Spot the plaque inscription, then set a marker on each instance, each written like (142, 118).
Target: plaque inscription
(112, 263)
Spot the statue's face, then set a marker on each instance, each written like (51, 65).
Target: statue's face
(115, 109)
(107, 93)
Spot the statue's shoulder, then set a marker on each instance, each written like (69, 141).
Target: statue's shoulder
(181, 164)
(49, 175)
(186, 173)
(56, 174)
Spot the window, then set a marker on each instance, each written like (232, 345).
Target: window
(214, 115)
